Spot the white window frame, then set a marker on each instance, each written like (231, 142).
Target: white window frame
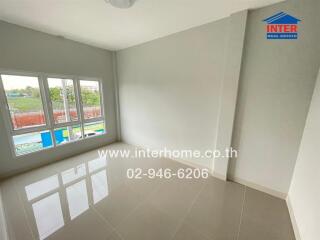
(91, 120)
(54, 125)
(49, 125)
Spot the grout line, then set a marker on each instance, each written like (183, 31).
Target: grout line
(188, 211)
(114, 230)
(143, 201)
(259, 188)
(241, 215)
(129, 214)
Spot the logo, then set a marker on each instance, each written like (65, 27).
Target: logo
(282, 26)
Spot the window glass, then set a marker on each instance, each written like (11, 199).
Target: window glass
(93, 129)
(63, 100)
(24, 101)
(32, 142)
(26, 109)
(90, 94)
(67, 134)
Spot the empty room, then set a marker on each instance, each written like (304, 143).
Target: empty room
(159, 119)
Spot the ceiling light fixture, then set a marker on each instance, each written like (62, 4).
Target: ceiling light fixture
(121, 3)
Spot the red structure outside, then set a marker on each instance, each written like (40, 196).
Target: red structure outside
(21, 120)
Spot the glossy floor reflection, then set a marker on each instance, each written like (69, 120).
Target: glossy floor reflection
(87, 197)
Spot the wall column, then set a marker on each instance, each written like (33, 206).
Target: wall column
(228, 97)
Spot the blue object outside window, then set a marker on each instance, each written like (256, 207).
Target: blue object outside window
(47, 140)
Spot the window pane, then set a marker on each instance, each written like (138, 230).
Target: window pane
(32, 142)
(90, 94)
(63, 100)
(93, 129)
(67, 134)
(24, 100)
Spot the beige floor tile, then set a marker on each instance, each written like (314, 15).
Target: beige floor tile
(217, 211)
(88, 197)
(176, 197)
(118, 204)
(16, 219)
(186, 232)
(265, 217)
(86, 226)
(147, 223)
(66, 213)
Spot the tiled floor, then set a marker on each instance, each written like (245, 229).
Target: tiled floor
(87, 197)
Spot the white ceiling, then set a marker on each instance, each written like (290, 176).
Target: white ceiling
(99, 24)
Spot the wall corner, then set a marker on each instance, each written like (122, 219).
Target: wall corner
(229, 93)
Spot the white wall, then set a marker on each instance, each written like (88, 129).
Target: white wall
(27, 50)
(304, 194)
(171, 89)
(276, 86)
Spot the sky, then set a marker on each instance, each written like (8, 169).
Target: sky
(56, 82)
(21, 82)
